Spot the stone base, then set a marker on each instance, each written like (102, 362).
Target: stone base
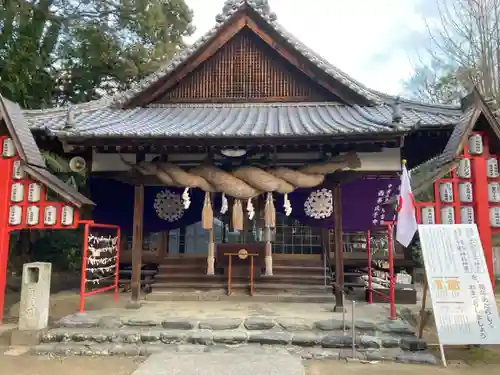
(269, 265)
(133, 305)
(210, 266)
(338, 308)
(26, 338)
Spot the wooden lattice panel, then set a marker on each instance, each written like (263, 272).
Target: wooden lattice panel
(246, 69)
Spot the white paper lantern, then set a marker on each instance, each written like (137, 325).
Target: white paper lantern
(50, 215)
(476, 144)
(466, 215)
(33, 215)
(447, 215)
(17, 170)
(8, 148)
(34, 192)
(465, 192)
(67, 213)
(492, 168)
(446, 192)
(494, 192)
(428, 215)
(15, 215)
(17, 192)
(463, 169)
(495, 217)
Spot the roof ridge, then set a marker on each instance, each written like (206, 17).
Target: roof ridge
(80, 107)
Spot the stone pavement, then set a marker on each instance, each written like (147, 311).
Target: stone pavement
(259, 361)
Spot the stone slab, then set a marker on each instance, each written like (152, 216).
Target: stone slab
(25, 338)
(15, 351)
(259, 362)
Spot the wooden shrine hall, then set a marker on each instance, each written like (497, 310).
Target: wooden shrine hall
(247, 140)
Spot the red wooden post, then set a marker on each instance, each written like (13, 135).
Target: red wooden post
(84, 267)
(5, 185)
(392, 279)
(482, 206)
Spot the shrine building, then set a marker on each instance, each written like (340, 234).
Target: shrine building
(248, 140)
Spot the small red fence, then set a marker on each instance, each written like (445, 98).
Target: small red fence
(100, 261)
(391, 298)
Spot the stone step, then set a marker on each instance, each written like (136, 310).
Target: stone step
(134, 335)
(182, 269)
(298, 262)
(186, 294)
(293, 289)
(180, 260)
(134, 350)
(144, 334)
(297, 270)
(275, 279)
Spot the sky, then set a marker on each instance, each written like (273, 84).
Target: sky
(374, 41)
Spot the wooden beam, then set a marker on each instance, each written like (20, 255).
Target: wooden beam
(211, 48)
(137, 239)
(294, 60)
(339, 248)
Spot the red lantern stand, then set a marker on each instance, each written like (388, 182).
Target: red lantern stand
(14, 212)
(480, 201)
(21, 208)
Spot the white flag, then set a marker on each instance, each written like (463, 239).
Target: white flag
(407, 222)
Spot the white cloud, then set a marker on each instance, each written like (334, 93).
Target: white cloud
(366, 39)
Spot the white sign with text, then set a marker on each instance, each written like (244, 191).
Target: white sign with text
(463, 301)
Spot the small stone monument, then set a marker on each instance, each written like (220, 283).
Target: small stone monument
(35, 296)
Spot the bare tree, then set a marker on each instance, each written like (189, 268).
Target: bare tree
(435, 82)
(466, 33)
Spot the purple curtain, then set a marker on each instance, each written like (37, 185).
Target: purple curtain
(163, 209)
(362, 207)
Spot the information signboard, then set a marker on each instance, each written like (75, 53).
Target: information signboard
(463, 301)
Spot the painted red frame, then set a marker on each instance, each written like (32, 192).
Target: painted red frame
(392, 282)
(480, 202)
(83, 287)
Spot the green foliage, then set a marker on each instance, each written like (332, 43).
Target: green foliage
(415, 251)
(62, 248)
(54, 52)
(60, 51)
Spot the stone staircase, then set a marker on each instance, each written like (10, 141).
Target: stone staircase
(87, 334)
(294, 280)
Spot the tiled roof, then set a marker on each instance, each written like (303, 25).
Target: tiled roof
(261, 7)
(423, 175)
(234, 120)
(33, 163)
(477, 106)
(462, 128)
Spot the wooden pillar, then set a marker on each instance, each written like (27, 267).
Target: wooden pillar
(137, 243)
(339, 248)
(268, 259)
(211, 253)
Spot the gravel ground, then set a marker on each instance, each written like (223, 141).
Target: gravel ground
(32, 365)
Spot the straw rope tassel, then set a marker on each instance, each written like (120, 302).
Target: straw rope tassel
(207, 215)
(237, 215)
